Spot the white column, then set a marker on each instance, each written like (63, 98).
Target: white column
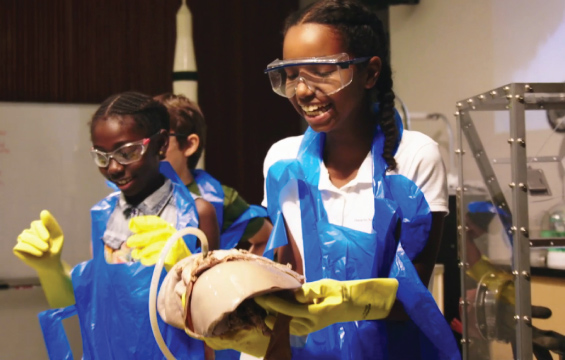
(184, 68)
(185, 80)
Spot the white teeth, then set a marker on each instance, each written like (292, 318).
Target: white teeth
(122, 182)
(311, 107)
(314, 110)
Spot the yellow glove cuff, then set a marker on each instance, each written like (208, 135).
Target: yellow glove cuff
(57, 286)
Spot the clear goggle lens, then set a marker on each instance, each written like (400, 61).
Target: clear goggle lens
(126, 154)
(328, 74)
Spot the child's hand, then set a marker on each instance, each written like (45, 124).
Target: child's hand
(324, 302)
(40, 246)
(150, 236)
(249, 341)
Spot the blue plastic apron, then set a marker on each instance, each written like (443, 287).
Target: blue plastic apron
(340, 253)
(212, 191)
(112, 300)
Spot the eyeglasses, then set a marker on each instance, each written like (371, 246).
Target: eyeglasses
(328, 74)
(124, 155)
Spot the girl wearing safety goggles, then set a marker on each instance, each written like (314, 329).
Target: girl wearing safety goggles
(130, 135)
(362, 200)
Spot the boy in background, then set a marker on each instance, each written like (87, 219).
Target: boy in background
(241, 225)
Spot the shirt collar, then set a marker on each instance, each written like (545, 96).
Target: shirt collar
(364, 175)
(152, 205)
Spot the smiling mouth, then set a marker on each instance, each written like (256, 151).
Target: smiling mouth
(122, 182)
(315, 110)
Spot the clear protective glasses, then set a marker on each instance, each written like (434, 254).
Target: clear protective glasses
(328, 74)
(124, 155)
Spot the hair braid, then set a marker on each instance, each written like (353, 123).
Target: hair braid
(386, 118)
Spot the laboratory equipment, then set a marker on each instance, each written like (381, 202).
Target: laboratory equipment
(507, 155)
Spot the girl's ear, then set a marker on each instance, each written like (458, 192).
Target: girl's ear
(163, 142)
(192, 144)
(373, 71)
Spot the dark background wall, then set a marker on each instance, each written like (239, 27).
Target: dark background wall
(71, 51)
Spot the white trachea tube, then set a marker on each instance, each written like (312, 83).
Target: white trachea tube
(155, 282)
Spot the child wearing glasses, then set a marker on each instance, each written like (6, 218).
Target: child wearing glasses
(241, 225)
(357, 203)
(130, 135)
(362, 200)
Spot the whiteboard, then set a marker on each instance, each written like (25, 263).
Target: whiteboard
(45, 164)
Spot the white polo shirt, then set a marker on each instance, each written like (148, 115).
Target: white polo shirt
(418, 158)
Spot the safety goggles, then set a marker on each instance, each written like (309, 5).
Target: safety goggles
(125, 154)
(328, 74)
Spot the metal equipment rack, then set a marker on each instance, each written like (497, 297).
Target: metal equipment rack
(516, 99)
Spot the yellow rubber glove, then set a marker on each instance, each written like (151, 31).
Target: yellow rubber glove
(495, 278)
(325, 302)
(249, 341)
(150, 236)
(40, 247)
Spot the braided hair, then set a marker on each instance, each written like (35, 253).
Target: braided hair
(362, 34)
(148, 114)
(186, 119)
